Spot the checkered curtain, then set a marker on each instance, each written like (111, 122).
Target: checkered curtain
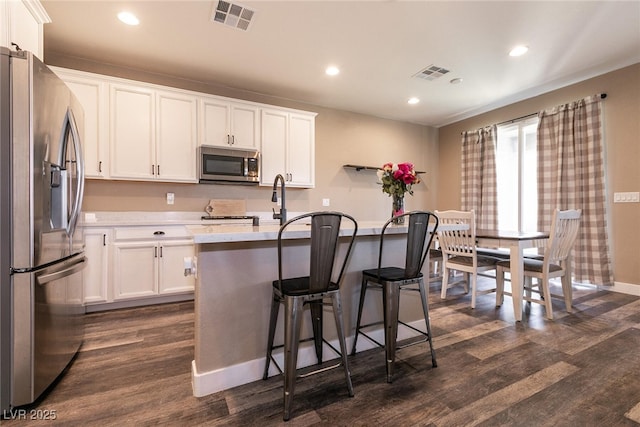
(479, 189)
(571, 176)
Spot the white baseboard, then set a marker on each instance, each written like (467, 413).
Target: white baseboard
(139, 302)
(205, 383)
(624, 288)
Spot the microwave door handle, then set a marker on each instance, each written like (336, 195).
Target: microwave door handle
(246, 166)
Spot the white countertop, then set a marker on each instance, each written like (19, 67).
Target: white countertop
(248, 233)
(138, 218)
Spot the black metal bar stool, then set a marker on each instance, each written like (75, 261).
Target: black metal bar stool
(321, 284)
(422, 227)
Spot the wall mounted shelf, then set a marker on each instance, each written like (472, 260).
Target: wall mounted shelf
(368, 168)
(361, 167)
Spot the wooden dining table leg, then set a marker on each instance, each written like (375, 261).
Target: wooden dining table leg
(517, 279)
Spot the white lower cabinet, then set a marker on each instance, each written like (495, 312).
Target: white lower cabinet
(96, 274)
(135, 269)
(171, 276)
(149, 261)
(136, 263)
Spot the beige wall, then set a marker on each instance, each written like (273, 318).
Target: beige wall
(622, 138)
(344, 137)
(341, 138)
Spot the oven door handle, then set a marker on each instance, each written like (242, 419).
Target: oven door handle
(77, 266)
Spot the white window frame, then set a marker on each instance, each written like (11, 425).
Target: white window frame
(523, 127)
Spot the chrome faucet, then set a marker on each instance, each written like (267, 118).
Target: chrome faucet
(282, 216)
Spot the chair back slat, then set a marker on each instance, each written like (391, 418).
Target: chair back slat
(323, 254)
(324, 239)
(563, 234)
(457, 242)
(419, 239)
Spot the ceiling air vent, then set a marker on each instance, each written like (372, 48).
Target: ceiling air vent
(432, 72)
(233, 15)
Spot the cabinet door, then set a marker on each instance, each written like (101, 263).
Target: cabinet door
(91, 94)
(24, 26)
(301, 151)
(274, 139)
(176, 137)
(135, 267)
(171, 266)
(244, 126)
(214, 119)
(132, 142)
(96, 272)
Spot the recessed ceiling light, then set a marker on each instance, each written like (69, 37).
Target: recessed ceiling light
(128, 18)
(518, 50)
(455, 81)
(332, 71)
(413, 101)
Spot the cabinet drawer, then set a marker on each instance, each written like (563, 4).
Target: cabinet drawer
(151, 232)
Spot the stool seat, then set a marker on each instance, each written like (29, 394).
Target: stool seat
(298, 286)
(389, 274)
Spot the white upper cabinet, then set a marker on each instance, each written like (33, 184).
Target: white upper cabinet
(288, 147)
(176, 136)
(145, 132)
(228, 124)
(132, 132)
(152, 134)
(21, 23)
(93, 96)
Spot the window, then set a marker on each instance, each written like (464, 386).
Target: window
(516, 170)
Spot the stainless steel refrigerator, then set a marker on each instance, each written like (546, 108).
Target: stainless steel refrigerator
(41, 243)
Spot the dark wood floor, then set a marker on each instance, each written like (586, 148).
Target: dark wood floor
(582, 369)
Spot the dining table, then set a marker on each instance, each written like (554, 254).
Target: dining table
(516, 242)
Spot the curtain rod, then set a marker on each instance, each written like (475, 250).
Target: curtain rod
(602, 96)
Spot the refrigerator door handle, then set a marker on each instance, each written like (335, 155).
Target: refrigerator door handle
(23, 270)
(70, 127)
(74, 268)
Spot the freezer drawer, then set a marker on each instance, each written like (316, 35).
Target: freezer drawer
(48, 326)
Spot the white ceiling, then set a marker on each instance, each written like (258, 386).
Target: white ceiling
(378, 45)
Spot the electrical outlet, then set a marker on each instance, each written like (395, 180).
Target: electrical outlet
(170, 198)
(326, 202)
(626, 197)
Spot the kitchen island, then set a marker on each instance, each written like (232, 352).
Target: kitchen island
(236, 265)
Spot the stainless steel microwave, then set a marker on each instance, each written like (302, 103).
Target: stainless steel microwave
(228, 165)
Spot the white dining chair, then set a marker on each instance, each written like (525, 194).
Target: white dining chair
(460, 253)
(556, 262)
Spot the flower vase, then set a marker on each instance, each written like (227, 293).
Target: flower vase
(398, 209)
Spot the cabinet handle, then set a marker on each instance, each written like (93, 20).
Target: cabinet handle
(100, 166)
(153, 169)
(104, 240)
(155, 252)
(160, 251)
(233, 139)
(228, 139)
(158, 170)
(158, 233)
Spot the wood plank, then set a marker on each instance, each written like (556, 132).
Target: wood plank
(580, 369)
